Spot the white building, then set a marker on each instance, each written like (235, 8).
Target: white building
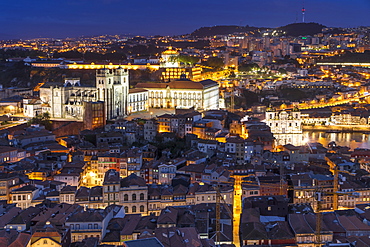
(284, 122)
(31, 107)
(315, 120)
(137, 100)
(183, 93)
(285, 125)
(166, 172)
(66, 100)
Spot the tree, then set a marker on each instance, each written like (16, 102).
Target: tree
(187, 60)
(214, 62)
(248, 67)
(43, 119)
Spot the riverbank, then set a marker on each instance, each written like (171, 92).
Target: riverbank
(339, 128)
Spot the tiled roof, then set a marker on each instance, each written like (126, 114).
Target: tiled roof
(147, 242)
(133, 179)
(86, 216)
(21, 241)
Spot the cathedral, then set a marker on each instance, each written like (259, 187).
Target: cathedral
(66, 100)
(286, 126)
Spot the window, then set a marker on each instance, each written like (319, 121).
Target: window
(142, 197)
(95, 226)
(134, 197)
(141, 208)
(126, 209)
(134, 209)
(125, 197)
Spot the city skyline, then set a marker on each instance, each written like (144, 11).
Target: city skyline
(230, 136)
(23, 19)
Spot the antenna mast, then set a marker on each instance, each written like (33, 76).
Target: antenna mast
(303, 12)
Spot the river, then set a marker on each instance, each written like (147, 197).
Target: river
(352, 140)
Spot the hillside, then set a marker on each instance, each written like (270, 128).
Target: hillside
(294, 29)
(301, 29)
(221, 30)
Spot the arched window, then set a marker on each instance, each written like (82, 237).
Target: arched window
(134, 209)
(141, 208)
(134, 197)
(125, 197)
(142, 197)
(126, 209)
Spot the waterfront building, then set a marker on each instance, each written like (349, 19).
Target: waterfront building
(285, 125)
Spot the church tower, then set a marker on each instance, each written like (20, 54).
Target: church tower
(112, 86)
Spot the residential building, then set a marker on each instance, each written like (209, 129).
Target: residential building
(134, 195)
(23, 196)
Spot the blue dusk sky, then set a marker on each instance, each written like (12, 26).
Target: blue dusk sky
(74, 18)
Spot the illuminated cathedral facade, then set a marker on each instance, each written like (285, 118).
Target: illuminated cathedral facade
(66, 100)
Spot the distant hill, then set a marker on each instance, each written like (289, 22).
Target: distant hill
(301, 29)
(221, 30)
(294, 29)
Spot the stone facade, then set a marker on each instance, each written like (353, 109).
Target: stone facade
(66, 100)
(285, 125)
(183, 93)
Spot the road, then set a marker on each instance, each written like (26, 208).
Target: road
(237, 210)
(13, 124)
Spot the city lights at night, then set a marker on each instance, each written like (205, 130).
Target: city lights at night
(180, 124)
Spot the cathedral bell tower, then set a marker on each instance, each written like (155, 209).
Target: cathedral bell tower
(112, 86)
